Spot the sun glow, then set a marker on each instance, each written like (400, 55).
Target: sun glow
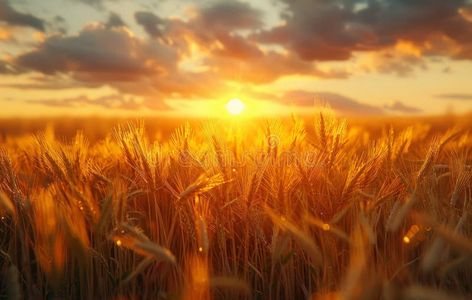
(235, 106)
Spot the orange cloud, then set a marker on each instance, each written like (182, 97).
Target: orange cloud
(5, 34)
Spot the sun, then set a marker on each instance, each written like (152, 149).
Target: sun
(235, 106)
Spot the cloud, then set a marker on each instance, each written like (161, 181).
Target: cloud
(398, 106)
(213, 27)
(49, 83)
(4, 68)
(319, 30)
(150, 23)
(266, 68)
(103, 55)
(209, 24)
(314, 30)
(113, 101)
(95, 3)
(229, 15)
(58, 24)
(114, 20)
(338, 103)
(455, 96)
(12, 17)
(466, 13)
(218, 32)
(100, 54)
(7, 68)
(400, 61)
(5, 34)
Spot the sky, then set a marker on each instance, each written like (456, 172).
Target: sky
(178, 57)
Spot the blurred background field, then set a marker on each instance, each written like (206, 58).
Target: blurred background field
(160, 127)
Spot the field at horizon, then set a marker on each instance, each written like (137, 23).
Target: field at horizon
(161, 127)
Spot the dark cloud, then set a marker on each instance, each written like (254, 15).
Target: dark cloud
(333, 30)
(398, 106)
(338, 103)
(229, 15)
(217, 28)
(15, 18)
(315, 30)
(58, 24)
(100, 54)
(150, 22)
(455, 96)
(114, 20)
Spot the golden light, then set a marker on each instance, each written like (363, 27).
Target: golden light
(235, 106)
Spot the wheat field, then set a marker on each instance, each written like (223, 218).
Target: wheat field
(317, 208)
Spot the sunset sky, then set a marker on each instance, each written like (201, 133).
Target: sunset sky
(144, 57)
